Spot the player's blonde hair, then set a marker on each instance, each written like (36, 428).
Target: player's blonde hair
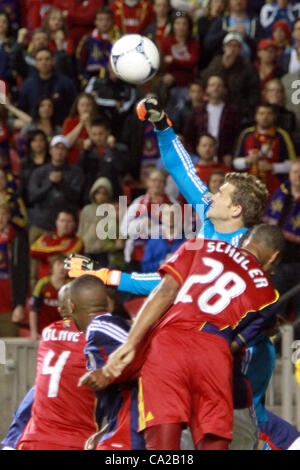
(251, 194)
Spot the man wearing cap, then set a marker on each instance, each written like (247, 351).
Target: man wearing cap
(55, 185)
(239, 75)
(236, 21)
(266, 63)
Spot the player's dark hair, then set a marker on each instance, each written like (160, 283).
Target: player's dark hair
(270, 235)
(92, 283)
(119, 309)
(251, 194)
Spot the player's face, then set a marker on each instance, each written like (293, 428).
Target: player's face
(222, 207)
(65, 224)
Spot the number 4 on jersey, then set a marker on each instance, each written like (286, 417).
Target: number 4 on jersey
(54, 371)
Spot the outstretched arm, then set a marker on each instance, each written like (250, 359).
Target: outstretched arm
(156, 305)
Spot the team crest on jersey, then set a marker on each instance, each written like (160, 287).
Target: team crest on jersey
(67, 323)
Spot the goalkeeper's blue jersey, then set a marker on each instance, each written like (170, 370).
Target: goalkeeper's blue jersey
(180, 166)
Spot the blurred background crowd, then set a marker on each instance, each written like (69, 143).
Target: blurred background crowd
(70, 140)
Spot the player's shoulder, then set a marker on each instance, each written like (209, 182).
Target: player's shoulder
(108, 325)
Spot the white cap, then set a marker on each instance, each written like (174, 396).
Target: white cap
(60, 139)
(232, 37)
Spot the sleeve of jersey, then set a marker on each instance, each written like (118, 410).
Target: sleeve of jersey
(102, 339)
(138, 284)
(179, 164)
(251, 326)
(178, 266)
(21, 418)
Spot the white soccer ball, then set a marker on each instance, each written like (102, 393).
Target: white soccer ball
(134, 58)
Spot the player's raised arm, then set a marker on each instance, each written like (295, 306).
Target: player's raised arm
(155, 306)
(174, 156)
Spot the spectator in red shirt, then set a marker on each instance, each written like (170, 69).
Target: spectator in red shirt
(80, 15)
(180, 57)
(63, 240)
(33, 12)
(44, 300)
(161, 26)
(266, 63)
(55, 25)
(132, 16)
(77, 125)
(208, 160)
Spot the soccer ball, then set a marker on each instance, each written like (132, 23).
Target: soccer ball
(134, 58)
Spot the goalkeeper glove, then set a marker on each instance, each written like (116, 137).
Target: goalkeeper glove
(149, 108)
(78, 265)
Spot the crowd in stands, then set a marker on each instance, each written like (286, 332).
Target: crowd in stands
(70, 140)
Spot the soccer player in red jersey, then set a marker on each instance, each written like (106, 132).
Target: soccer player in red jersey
(202, 300)
(63, 415)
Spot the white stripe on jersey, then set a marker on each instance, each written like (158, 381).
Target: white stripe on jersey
(145, 277)
(188, 164)
(109, 329)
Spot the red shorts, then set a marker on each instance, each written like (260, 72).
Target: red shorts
(33, 445)
(187, 377)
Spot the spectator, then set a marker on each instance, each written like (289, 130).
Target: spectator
(215, 181)
(23, 56)
(80, 15)
(195, 99)
(215, 9)
(43, 119)
(273, 93)
(284, 211)
(158, 250)
(208, 160)
(266, 64)
(132, 16)
(100, 158)
(60, 44)
(6, 42)
(240, 77)
(264, 149)
(281, 35)
(13, 276)
(77, 125)
(278, 10)
(215, 116)
(33, 12)
(115, 97)
(142, 144)
(12, 9)
(61, 241)
(290, 59)
(18, 214)
(4, 130)
(161, 26)
(44, 300)
(37, 157)
(180, 57)
(142, 216)
(236, 21)
(46, 82)
(52, 186)
(94, 246)
(94, 49)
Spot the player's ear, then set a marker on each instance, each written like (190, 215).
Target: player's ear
(236, 211)
(70, 306)
(272, 262)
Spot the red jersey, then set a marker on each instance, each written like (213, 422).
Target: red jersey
(62, 413)
(132, 19)
(220, 285)
(44, 301)
(204, 171)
